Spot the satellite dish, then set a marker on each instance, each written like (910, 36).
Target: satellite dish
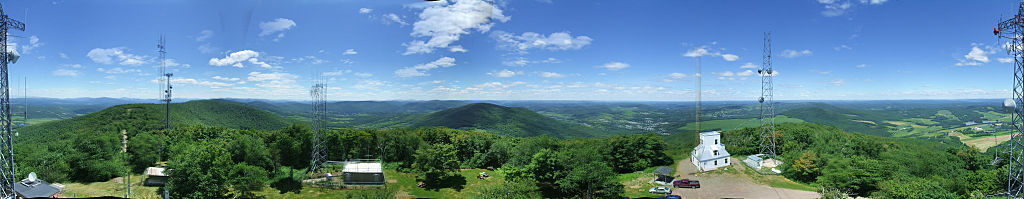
(12, 54)
(1009, 105)
(760, 100)
(32, 177)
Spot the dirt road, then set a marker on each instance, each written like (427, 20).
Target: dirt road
(731, 185)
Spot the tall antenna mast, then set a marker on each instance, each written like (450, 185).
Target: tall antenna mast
(697, 115)
(1012, 29)
(167, 82)
(767, 99)
(6, 140)
(26, 101)
(319, 153)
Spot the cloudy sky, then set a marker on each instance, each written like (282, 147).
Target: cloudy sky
(503, 49)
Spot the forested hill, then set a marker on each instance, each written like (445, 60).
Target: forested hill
(150, 117)
(502, 120)
(846, 119)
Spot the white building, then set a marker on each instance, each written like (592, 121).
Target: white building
(710, 154)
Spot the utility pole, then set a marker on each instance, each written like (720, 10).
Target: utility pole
(767, 100)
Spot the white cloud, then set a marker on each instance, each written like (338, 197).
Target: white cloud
(421, 69)
(1005, 60)
(363, 75)
(795, 53)
(73, 65)
(190, 81)
(444, 23)
(873, 2)
(745, 73)
(835, 8)
(62, 55)
(278, 25)
(275, 80)
(676, 75)
(613, 66)
(977, 54)
(350, 52)
(551, 75)
(118, 70)
(862, 66)
(837, 82)
(225, 78)
(395, 18)
(505, 73)
(207, 48)
(65, 72)
(33, 43)
(457, 49)
(697, 52)
(554, 41)
(730, 57)
(842, 47)
(365, 10)
(205, 34)
(110, 55)
(522, 61)
(748, 65)
(726, 74)
(235, 59)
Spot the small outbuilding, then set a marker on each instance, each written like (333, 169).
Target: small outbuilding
(363, 172)
(33, 187)
(155, 176)
(664, 174)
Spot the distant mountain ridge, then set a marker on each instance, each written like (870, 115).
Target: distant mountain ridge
(503, 120)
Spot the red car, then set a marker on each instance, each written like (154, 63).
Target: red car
(686, 183)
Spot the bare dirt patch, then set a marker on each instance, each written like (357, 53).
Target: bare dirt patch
(731, 183)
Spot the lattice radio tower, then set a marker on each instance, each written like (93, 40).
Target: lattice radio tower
(166, 97)
(6, 137)
(319, 124)
(1012, 29)
(767, 99)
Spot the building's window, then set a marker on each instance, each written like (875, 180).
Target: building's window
(716, 162)
(716, 152)
(716, 141)
(727, 160)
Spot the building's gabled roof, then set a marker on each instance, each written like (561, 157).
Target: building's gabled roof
(663, 171)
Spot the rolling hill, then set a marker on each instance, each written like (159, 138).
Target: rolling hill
(502, 120)
(150, 117)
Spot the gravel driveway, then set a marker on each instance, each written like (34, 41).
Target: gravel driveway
(730, 185)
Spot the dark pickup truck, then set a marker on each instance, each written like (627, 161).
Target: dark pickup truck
(686, 183)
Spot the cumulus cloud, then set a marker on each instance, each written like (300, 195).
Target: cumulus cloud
(505, 73)
(275, 80)
(730, 57)
(706, 50)
(745, 73)
(748, 65)
(236, 59)
(522, 61)
(278, 26)
(554, 41)
(363, 75)
(365, 10)
(226, 78)
(1005, 60)
(190, 81)
(835, 8)
(676, 75)
(551, 75)
(795, 53)
(837, 82)
(444, 23)
(350, 52)
(111, 55)
(613, 66)
(457, 49)
(395, 18)
(33, 43)
(65, 72)
(421, 69)
(118, 70)
(62, 55)
(862, 66)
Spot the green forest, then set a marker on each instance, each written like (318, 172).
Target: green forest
(225, 149)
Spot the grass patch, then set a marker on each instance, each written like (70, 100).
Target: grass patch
(777, 181)
(110, 188)
(636, 184)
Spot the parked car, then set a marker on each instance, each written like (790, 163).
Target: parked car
(671, 197)
(664, 190)
(686, 183)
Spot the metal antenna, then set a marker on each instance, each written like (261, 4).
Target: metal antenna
(319, 153)
(6, 140)
(767, 95)
(1012, 29)
(697, 114)
(167, 82)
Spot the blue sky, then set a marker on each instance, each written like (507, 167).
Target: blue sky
(512, 50)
